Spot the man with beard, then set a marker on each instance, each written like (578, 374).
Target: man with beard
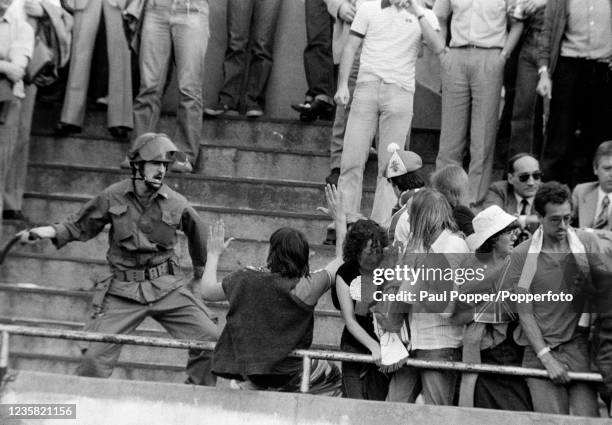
(145, 216)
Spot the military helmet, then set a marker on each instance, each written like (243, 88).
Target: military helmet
(155, 147)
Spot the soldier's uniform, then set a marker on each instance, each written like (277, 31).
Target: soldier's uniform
(146, 279)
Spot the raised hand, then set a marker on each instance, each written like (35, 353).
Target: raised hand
(216, 243)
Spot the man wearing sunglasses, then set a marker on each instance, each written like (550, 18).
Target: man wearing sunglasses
(516, 194)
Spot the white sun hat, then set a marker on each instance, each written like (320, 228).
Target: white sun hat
(487, 223)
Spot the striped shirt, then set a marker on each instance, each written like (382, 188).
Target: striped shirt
(430, 331)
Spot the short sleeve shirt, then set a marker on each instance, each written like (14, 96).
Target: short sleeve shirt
(482, 23)
(392, 41)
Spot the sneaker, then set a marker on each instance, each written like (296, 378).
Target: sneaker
(125, 164)
(254, 112)
(119, 133)
(330, 237)
(14, 215)
(64, 130)
(181, 167)
(333, 177)
(220, 109)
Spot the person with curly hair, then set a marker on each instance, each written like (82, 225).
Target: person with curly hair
(362, 252)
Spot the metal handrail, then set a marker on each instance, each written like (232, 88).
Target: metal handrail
(305, 354)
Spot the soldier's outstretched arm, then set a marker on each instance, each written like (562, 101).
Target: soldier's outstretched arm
(84, 225)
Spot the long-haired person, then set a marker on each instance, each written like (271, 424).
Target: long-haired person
(271, 310)
(489, 334)
(452, 181)
(362, 252)
(436, 241)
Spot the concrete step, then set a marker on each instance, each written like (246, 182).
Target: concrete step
(74, 306)
(130, 353)
(116, 402)
(214, 160)
(75, 273)
(268, 195)
(67, 365)
(242, 223)
(263, 133)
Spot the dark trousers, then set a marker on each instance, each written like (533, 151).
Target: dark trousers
(603, 354)
(526, 134)
(498, 391)
(318, 58)
(580, 119)
(364, 382)
(249, 22)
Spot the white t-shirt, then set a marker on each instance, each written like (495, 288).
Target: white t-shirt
(391, 45)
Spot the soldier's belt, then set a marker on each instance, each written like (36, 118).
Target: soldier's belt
(167, 268)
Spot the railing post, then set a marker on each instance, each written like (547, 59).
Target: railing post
(305, 374)
(4, 354)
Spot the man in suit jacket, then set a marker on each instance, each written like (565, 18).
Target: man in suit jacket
(592, 200)
(515, 195)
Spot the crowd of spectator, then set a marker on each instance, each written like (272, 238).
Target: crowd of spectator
(518, 229)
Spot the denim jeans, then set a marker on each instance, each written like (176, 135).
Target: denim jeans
(254, 21)
(342, 113)
(579, 398)
(388, 108)
(437, 386)
(471, 88)
(527, 123)
(15, 182)
(178, 27)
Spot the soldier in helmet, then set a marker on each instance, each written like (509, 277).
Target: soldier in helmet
(145, 278)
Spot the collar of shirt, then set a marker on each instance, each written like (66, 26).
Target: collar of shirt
(161, 192)
(519, 205)
(600, 196)
(7, 17)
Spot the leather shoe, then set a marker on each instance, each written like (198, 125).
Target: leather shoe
(330, 237)
(14, 215)
(119, 133)
(63, 130)
(317, 109)
(181, 167)
(333, 177)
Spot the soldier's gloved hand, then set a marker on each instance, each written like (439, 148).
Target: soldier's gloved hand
(33, 235)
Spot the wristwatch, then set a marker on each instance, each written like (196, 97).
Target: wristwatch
(542, 70)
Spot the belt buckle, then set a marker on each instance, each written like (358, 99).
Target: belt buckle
(139, 275)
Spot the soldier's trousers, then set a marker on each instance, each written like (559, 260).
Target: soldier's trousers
(180, 313)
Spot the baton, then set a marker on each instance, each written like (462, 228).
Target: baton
(13, 241)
